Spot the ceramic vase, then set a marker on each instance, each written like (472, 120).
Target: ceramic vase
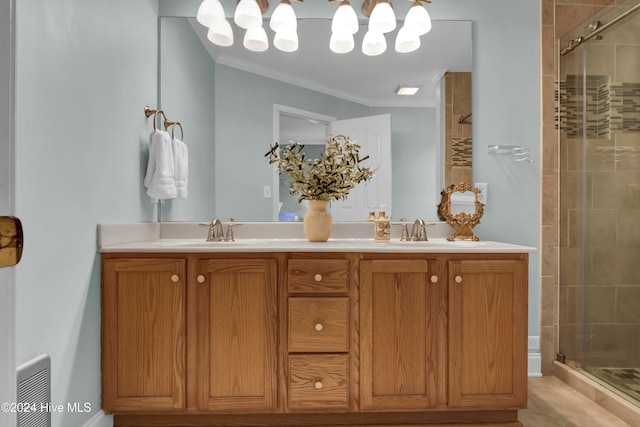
(317, 221)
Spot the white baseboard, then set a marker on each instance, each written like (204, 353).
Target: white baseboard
(100, 419)
(534, 365)
(535, 359)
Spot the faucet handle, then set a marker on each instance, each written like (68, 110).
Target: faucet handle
(211, 235)
(230, 224)
(405, 231)
(424, 229)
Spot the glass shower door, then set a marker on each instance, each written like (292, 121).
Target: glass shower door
(600, 205)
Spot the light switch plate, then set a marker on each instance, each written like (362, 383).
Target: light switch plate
(484, 189)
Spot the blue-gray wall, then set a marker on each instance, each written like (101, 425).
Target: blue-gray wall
(84, 72)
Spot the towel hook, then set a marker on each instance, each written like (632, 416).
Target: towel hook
(173, 125)
(148, 112)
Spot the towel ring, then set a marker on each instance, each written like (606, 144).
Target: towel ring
(173, 125)
(148, 112)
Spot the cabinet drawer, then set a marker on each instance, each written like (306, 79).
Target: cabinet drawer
(318, 275)
(319, 381)
(319, 324)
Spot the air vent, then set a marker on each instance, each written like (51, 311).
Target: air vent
(34, 392)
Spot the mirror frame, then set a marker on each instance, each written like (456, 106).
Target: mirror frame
(463, 222)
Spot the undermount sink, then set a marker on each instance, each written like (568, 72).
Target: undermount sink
(439, 244)
(205, 244)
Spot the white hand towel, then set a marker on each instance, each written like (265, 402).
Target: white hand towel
(160, 177)
(181, 166)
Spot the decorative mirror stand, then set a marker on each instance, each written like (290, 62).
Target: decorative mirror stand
(463, 222)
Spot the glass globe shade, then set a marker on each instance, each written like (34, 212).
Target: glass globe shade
(286, 41)
(345, 19)
(209, 12)
(382, 19)
(418, 19)
(255, 39)
(341, 42)
(374, 43)
(407, 40)
(248, 14)
(221, 33)
(284, 17)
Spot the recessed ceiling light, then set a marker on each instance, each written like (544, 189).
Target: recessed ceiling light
(407, 90)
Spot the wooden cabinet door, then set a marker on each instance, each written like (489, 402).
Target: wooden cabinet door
(143, 334)
(488, 333)
(397, 336)
(236, 356)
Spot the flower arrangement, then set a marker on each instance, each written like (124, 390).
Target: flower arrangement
(328, 177)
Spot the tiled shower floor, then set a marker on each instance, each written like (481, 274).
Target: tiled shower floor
(625, 379)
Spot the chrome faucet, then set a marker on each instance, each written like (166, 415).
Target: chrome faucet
(230, 225)
(419, 230)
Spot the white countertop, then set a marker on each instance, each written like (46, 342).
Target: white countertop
(282, 237)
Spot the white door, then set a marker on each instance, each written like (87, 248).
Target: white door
(7, 185)
(373, 134)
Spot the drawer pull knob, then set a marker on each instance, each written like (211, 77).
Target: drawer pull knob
(434, 279)
(201, 278)
(319, 327)
(458, 279)
(175, 278)
(317, 277)
(318, 385)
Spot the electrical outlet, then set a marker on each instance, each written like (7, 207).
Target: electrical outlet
(484, 190)
(533, 343)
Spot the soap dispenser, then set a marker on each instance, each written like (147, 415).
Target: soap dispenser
(382, 228)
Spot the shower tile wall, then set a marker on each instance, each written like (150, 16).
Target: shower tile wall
(609, 230)
(458, 142)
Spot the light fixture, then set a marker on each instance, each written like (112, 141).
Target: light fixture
(209, 12)
(345, 19)
(341, 42)
(221, 34)
(248, 14)
(284, 17)
(374, 43)
(407, 90)
(382, 19)
(255, 39)
(407, 40)
(286, 40)
(418, 18)
(283, 21)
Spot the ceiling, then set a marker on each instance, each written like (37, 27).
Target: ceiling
(354, 76)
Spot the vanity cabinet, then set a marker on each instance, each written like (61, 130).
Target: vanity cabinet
(305, 339)
(398, 336)
(487, 333)
(143, 334)
(236, 334)
(318, 333)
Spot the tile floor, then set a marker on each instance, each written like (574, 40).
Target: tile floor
(553, 403)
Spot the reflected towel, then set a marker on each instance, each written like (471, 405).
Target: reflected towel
(160, 177)
(181, 166)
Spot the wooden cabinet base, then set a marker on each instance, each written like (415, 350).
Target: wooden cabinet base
(507, 418)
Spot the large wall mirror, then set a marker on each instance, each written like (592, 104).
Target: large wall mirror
(230, 101)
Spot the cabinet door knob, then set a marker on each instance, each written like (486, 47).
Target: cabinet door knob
(319, 327)
(201, 278)
(458, 279)
(318, 385)
(434, 279)
(175, 278)
(318, 277)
